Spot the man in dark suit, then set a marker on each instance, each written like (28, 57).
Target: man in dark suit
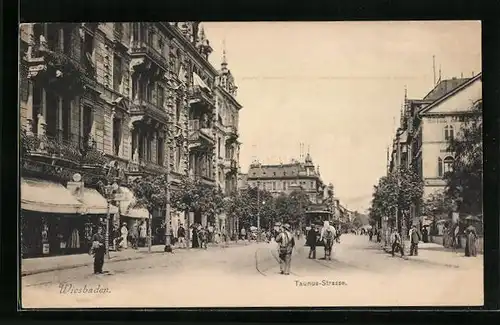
(312, 238)
(415, 238)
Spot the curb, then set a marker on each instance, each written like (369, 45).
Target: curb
(407, 258)
(112, 260)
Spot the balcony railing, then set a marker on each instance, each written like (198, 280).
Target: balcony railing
(152, 167)
(197, 126)
(141, 106)
(45, 146)
(199, 94)
(142, 48)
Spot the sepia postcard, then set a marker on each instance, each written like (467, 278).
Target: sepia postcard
(250, 164)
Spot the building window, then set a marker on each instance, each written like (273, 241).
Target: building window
(274, 173)
(87, 123)
(66, 119)
(284, 173)
(88, 50)
(117, 130)
(160, 150)
(135, 32)
(274, 186)
(440, 167)
(151, 34)
(312, 184)
(149, 92)
(448, 165)
(161, 45)
(448, 133)
(67, 40)
(118, 28)
(284, 186)
(161, 96)
(117, 73)
(178, 109)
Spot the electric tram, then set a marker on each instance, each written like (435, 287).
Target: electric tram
(316, 215)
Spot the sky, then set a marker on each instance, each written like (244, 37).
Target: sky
(337, 87)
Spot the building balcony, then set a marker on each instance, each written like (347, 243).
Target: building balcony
(230, 163)
(59, 69)
(200, 96)
(40, 147)
(152, 168)
(141, 107)
(200, 134)
(207, 180)
(144, 50)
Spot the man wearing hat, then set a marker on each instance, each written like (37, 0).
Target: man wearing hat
(415, 238)
(286, 244)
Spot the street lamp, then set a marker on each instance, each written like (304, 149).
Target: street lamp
(109, 190)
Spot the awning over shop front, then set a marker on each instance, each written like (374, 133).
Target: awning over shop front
(127, 208)
(95, 203)
(44, 196)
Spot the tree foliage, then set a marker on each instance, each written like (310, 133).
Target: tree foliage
(150, 192)
(437, 204)
(399, 190)
(465, 181)
(193, 196)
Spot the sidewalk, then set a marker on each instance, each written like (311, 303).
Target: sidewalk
(431, 253)
(38, 265)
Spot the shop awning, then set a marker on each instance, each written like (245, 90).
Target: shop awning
(95, 203)
(127, 208)
(44, 196)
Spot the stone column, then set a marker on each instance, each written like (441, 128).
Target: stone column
(112, 132)
(154, 149)
(29, 109)
(59, 115)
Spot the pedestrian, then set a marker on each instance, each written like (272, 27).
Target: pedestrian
(286, 245)
(415, 237)
(203, 235)
(311, 241)
(471, 238)
(396, 242)
(124, 233)
(134, 235)
(142, 234)
(379, 237)
(328, 234)
(370, 234)
(425, 234)
(243, 234)
(181, 235)
(194, 237)
(98, 250)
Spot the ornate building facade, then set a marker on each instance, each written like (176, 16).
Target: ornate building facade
(285, 178)
(120, 99)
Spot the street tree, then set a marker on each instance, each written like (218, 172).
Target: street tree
(384, 200)
(464, 182)
(410, 188)
(193, 196)
(151, 193)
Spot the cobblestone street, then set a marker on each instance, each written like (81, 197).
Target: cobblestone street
(360, 273)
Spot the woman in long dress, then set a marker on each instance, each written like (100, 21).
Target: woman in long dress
(195, 241)
(471, 238)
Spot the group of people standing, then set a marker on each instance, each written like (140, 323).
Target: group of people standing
(136, 236)
(326, 235)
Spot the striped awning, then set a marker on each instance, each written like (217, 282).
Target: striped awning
(44, 196)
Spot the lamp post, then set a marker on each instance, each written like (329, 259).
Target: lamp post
(109, 190)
